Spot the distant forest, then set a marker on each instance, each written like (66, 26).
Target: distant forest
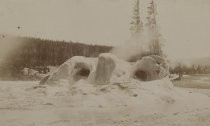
(192, 69)
(36, 52)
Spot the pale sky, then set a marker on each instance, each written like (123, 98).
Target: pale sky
(185, 24)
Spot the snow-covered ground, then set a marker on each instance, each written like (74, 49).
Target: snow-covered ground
(24, 103)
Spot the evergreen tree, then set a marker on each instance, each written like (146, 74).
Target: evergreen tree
(136, 23)
(154, 45)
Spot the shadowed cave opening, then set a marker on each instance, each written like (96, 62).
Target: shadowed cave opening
(83, 73)
(140, 75)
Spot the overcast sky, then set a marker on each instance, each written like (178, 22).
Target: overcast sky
(185, 24)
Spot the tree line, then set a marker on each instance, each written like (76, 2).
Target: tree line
(192, 69)
(36, 52)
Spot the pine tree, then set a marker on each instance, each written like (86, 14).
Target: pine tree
(154, 45)
(151, 18)
(136, 23)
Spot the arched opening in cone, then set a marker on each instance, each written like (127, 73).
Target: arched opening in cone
(140, 75)
(83, 73)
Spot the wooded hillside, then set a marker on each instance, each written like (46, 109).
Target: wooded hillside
(33, 52)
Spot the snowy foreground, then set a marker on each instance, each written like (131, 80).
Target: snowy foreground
(154, 103)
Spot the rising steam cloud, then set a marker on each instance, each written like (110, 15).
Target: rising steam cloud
(137, 44)
(8, 45)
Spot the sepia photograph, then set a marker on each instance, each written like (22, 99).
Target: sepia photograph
(104, 63)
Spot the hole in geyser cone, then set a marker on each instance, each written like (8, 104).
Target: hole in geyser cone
(140, 75)
(83, 73)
